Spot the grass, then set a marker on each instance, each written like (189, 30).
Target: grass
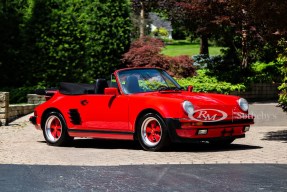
(186, 48)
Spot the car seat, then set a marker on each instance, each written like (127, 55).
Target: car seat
(132, 85)
(100, 86)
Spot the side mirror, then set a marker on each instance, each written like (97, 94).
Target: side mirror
(190, 88)
(111, 91)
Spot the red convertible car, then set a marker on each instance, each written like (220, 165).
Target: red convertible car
(144, 104)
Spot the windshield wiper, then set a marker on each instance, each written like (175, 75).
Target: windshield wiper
(164, 88)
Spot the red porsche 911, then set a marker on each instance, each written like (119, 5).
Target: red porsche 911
(144, 104)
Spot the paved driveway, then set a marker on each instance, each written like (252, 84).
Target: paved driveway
(20, 143)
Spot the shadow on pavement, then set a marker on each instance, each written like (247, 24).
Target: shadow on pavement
(205, 147)
(276, 136)
(174, 147)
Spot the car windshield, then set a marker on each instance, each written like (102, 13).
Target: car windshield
(146, 80)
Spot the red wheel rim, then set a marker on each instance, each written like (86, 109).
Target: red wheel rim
(151, 131)
(53, 128)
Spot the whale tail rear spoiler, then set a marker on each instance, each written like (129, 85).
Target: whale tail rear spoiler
(47, 92)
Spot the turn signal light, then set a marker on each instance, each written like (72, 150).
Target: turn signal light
(190, 125)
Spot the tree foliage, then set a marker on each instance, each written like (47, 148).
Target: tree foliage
(71, 40)
(262, 24)
(202, 82)
(145, 52)
(250, 28)
(202, 18)
(11, 18)
(283, 87)
(78, 40)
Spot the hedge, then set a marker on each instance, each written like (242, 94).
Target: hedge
(72, 40)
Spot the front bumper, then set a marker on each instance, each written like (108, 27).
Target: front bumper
(182, 130)
(33, 120)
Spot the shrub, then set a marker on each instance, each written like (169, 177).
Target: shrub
(258, 72)
(266, 72)
(283, 88)
(283, 94)
(225, 67)
(145, 52)
(19, 94)
(202, 61)
(11, 18)
(147, 41)
(181, 66)
(205, 83)
(75, 40)
(160, 32)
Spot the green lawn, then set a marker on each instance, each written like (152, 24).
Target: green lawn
(185, 48)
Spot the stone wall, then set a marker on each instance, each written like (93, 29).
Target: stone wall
(36, 99)
(11, 112)
(4, 105)
(260, 92)
(18, 110)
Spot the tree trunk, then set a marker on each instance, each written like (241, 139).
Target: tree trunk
(142, 20)
(244, 62)
(204, 45)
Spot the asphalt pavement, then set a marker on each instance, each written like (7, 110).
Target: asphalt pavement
(255, 163)
(149, 178)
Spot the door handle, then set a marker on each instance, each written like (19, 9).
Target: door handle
(84, 102)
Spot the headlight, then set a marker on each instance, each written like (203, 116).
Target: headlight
(243, 104)
(188, 107)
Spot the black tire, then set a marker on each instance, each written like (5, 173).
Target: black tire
(152, 132)
(223, 142)
(55, 130)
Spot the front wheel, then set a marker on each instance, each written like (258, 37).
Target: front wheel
(55, 130)
(152, 132)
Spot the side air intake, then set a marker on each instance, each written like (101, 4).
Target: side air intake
(75, 117)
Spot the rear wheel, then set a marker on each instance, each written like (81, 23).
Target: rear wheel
(55, 130)
(152, 132)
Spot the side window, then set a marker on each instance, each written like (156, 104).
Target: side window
(113, 82)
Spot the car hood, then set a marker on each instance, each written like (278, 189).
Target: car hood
(200, 101)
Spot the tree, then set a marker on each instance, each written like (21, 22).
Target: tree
(75, 40)
(11, 19)
(145, 52)
(141, 8)
(256, 23)
(261, 25)
(199, 17)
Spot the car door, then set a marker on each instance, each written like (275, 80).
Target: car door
(106, 112)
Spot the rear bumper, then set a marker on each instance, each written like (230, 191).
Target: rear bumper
(184, 131)
(33, 120)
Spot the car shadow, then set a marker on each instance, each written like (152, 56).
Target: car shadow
(174, 147)
(206, 147)
(276, 136)
(102, 144)
(105, 144)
